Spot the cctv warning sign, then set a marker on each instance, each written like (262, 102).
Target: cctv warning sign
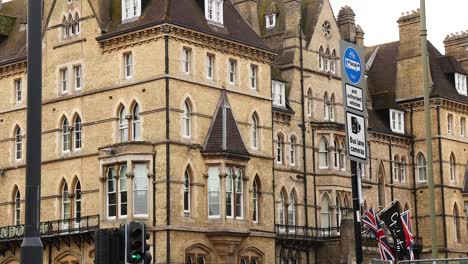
(356, 135)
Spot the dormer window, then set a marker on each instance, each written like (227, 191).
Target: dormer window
(397, 121)
(131, 9)
(279, 96)
(460, 83)
(214, 11)
(270, 20)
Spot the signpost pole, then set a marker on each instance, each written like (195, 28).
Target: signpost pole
(356, 212)
(31, 248)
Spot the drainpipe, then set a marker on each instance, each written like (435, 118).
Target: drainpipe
(391, 167)
(315, 189)
(442, 189)
(154, 204)
(168, 160)
(303, 129)
(415, 192)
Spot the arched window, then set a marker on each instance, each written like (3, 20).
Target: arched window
(338, 212)
(17, 213)
(66, 138)
(186, 191)
(255, 200)
(78, 132)
(254, 132)
(309, 103)
(292, 150)
(321, 59)
(279, 149)
(325, 212)
(65, 202)
(325, 106)
(282, 209)
(323, 153)
(333, 62)
(187, 120)
(331, 107)
(422, 177)
(327, 60)
(18, 144)
(70, 25)
(239, 193)
(123, 197)
(292, 210)
(77, 202)
(381, 188)
(136, 123)
(76, 25)
(123, 124)
(66, 30)
(403, 169)
(396, 162)
(336, 155)
(456, 224)
(229, 192)
(452, 167)
(343, 156)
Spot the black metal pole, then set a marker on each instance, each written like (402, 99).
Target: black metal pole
(31, 248)
(356, 212)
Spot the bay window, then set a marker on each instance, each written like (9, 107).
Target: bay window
(140, 190)
(213, 192)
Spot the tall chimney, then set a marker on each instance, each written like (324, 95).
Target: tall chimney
(410, 41)
(248, 10)
(359, 36)
(347, 24)
(456, 45)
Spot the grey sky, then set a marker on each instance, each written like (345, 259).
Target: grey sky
(378, 18)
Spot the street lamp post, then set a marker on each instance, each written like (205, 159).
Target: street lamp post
(31, 248)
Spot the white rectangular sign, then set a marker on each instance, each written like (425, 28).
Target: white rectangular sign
(354, 97)
(356, 135)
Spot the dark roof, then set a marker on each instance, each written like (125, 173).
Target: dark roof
(13, 45)
(465, 180)
(189, 14)
(379, 121)
(224, 137)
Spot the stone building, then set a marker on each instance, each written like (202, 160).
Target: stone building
(220, 125)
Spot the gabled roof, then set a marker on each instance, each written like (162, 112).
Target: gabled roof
(224, 137)
(13, 46)
(189, 14)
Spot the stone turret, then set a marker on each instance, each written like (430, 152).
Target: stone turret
(248, 9)
(456, 45)
(347, 24)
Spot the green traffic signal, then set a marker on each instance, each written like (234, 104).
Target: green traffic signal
(136, 256)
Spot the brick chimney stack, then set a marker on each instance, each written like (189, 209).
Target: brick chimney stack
(347, 24)
(456, 45)
(410, 39)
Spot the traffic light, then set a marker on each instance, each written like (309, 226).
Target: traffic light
(136, 248)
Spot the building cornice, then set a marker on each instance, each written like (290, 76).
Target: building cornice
(13, 67)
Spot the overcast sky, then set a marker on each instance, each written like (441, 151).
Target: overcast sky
(378, 18)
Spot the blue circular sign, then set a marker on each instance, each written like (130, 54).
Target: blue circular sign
(352, 65)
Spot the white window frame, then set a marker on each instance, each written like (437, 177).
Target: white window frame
(65, 202)
(403, 169)
(253, 77)
(18, 90)
(270, 21)
(232, 74)
(77, 133)
(114, 192)
(254, 132)
(421, 180)
(396, 169)
(214, 179)
(210, 66)
(18, 144)
(292, 150)
(78, 198)
(123, 125)
(143, 189)
(461, 83)
(186, 60)
(131, 9)
(452, 168)
(187, 191)
(187, 120)
(323, 153)
(136, 123)
(63, 83)
(255, 197)
(66, 136)
(239, 192)
(78, 76)
(17, 213)
(279, 93)
(214, 11)
(128, 65)
(397, 121)
(450, 124)
(279, 149)
(120, 190)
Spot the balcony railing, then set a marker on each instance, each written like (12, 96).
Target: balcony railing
(53, 228)
(306, 233)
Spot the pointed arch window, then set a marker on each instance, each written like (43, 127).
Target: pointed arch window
(381, 189)
(186, 191)
(396, 162)
(65, 202)
(292, 210)
(111, 193)
(187, 120)
(323, 153)
(452, 168)
(343, 156)
(66, 137)
(321, 59)
(292, 150)
(309, 103)
(336, 155)
(77, 202)
(338, 212)
(123, 125)
(18, 144)
(239, 193)
(255, 200)
(279, 149)
(136, 123)
(325, 107)
(331, 108)
(422, 177)
(75, 25)
(403, 169)
(229, 193)
(66, 29)
(325, 221)
(78, 132)
(456, 225)
(333, 62)
(282, 209)
(17, 213)
(327, 60)
(254, 131)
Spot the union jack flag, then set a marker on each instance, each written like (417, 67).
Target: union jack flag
(406, 222)
(370, 219)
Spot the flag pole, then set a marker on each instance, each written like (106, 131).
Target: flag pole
(427, 118)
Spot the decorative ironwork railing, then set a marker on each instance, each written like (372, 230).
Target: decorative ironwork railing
(54, 228)
(307, 233)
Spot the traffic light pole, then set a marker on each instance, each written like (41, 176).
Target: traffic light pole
(31, 248)
(356, 212)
